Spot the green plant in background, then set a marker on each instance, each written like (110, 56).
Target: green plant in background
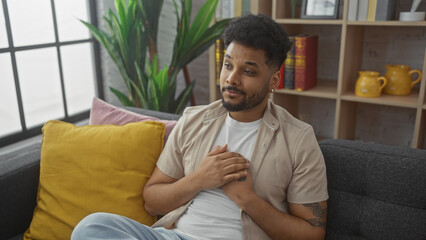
(134, 30)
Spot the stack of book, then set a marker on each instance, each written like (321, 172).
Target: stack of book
(299, 70)
(219, 55)
(232, 8)
(371, 10)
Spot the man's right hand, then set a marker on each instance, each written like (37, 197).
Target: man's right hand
(220, 167)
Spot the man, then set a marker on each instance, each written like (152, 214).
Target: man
(240, 168)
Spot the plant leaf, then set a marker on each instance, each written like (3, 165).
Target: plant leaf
(120, 6)
(162, 81)
(208, 38)
(142, 99)
(143, 82)
(203, 19)
(122, 97)
(151, 11)
(152, 94)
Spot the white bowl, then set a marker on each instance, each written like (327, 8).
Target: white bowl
(412, 16)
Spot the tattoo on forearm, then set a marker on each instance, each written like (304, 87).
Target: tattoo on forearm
(319, 212)
(317, 222)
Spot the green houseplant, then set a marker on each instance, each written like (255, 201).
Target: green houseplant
(133, 32)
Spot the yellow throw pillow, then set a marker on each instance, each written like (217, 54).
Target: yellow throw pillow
(93, 169)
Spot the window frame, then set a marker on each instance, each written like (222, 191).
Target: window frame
(25, 132)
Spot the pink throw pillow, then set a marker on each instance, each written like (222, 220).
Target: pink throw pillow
(103, 113)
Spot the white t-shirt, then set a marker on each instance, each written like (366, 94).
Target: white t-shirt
(212, 215)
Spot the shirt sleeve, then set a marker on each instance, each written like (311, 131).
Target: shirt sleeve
(170, 160)
(309, 180)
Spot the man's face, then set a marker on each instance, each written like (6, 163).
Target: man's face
(245, 79)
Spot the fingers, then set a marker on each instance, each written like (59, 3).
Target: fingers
(235, 164)
(218, 149)
(236, 176)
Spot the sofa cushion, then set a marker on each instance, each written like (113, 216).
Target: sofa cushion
(376, 191)
(93, 169)
(104, 113)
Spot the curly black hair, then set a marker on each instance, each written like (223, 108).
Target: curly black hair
(259, 32)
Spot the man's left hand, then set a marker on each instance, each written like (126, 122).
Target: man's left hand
(239, 191)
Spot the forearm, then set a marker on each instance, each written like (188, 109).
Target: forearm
(277, 224)
(162, 198)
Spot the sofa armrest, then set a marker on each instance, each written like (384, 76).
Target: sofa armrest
(19, 176)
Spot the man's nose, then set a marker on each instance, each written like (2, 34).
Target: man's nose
(233, 78)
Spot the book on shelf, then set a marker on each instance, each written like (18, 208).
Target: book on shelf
(385, 10)
(246, 7)
(306, 61)
(238, 8)
(289, 66)
(362, 10)
(371, 13)
(281, 85)
(219, 54)
(352, 10)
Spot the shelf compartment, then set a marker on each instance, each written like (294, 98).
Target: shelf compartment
(318, 112)
(373, 124)
(309, 21)
(282, 10)
(380, 124)
(324, 89)
(372, 47)
(329, 41)
(409, 101)
(387, 23)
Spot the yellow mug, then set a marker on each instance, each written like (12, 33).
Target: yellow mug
(369, 84)
(400, 80)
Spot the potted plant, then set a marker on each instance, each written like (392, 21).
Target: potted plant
(133, 32)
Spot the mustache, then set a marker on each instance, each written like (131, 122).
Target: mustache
(233, 88)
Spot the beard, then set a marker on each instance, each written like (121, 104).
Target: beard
(248, 101)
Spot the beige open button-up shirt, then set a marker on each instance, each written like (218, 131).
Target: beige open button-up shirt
(286, 165)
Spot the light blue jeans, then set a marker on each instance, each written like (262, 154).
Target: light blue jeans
(103, 226)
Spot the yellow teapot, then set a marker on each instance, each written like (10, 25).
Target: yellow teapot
(400, 79)
(369, 84)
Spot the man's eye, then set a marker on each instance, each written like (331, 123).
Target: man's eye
(249, 72)
(227, 65)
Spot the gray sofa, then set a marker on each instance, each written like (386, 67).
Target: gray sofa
(376, 191)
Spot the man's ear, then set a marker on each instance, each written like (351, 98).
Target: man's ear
(275, 80)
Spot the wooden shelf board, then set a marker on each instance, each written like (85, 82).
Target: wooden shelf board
(354, 23)
(387, 23)
(409, 101)
(308, 21)
(324, 89)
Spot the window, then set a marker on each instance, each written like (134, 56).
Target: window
(49, 65)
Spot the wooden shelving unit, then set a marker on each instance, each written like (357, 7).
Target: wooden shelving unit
(346, 47)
